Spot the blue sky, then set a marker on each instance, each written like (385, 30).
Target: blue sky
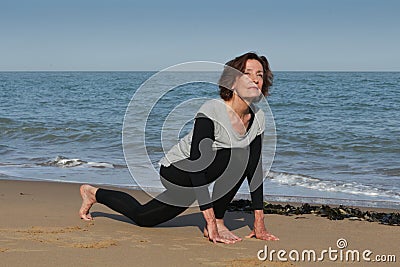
(340, 35)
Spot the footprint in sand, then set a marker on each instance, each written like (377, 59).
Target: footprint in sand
(60, 236)
(97, 245)
(245, 262)
(177, 247)
(208, 262)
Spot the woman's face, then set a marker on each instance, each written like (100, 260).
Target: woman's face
(248, 86)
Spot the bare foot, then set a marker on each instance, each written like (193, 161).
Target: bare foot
(88, 193)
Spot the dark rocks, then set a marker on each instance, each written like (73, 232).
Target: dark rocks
(240, 205)
(332, 213)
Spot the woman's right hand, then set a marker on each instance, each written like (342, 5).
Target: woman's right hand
(211, 231)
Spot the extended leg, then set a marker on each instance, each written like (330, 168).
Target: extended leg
(150, 214)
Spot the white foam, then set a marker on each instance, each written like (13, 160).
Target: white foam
(68, 162)
(329, 186)
(100, 165)
(64, 162)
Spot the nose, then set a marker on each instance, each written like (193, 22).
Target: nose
(254, 78)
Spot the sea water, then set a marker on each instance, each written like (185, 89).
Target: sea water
(338, 133)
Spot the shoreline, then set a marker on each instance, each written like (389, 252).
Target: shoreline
(276, 199)
(40, 226)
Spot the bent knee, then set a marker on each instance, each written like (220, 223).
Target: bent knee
(144, 223)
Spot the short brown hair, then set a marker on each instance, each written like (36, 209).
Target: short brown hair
(239, 63)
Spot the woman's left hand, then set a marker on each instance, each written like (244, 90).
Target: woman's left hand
(262, 235)
(259, 230)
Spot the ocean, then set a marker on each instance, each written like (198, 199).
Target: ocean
(338, 133)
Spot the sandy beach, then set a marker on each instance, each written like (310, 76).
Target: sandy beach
(40, 226)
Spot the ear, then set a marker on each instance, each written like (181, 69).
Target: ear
(235, 83)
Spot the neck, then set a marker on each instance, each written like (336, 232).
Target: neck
(240, 106)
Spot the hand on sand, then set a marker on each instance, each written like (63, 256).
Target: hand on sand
(211, 232)
(224, 232)
(259, 230)
(262, 234)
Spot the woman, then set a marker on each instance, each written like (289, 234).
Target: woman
(224, 147)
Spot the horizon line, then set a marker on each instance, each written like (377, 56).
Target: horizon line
(193, 71)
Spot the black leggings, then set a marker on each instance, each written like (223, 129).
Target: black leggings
(156, 211)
